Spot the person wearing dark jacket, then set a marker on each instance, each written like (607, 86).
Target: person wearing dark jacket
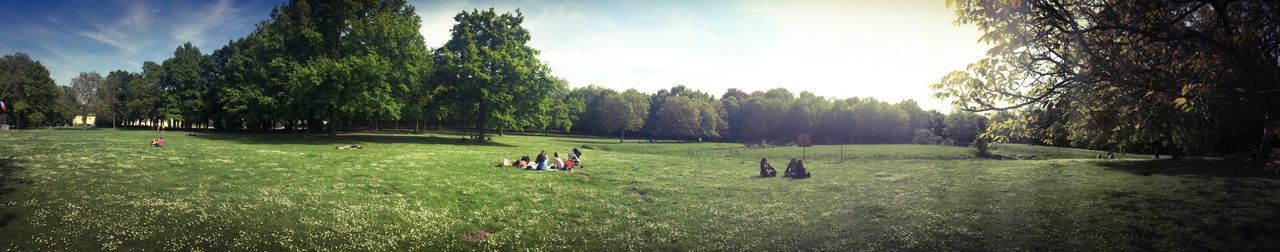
(766, 170)
(798, 171)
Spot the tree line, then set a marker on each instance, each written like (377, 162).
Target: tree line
(772, 117)
(323, 66)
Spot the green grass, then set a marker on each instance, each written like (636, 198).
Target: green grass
(1022, 151)
(106, 189)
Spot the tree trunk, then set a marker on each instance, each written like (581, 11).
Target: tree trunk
(1155, 150)
(333, 124)
(483, 123)
(1268, 130)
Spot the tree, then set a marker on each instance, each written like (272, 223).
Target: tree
(836, 123)
(111, 96)
(925, 136)
(255, 72)
(916, 117)
(805, 114)
(279, 75)
(567, 106)
(622, 112)
(879, 122)
(142, 94)
(64, 107)
(713, 120)
(347, 88)
(27, 91)
(594, 116)
(963, 127)
(935, 121)
(762, 117)
(84, 88)
(1165, 75)
(731, 104)
(489, 70)
(183, 86)
(679, 117)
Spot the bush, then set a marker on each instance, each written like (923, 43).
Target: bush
(925, 136)
(983, 145)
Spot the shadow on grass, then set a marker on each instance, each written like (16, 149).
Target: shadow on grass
(1212, 207)
(9, 182)
(1209, 168)
(589, 140)
(341, 139)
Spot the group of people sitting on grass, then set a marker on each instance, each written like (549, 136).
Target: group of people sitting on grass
(541, 163)
(795, 169)
(158, 142)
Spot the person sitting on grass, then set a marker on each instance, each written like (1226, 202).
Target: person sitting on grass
(799, 172)
(158, 142)
(541, 162)
(558, 163)
(766, 170)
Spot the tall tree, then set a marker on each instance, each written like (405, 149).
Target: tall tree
(347, 88)
(622, 112)
(84, 87)
(183, 86)
(28, 92)
(111, 96)
(490, 71)
(964, 126)
(679, 117)
(566, 106)
(1178, 75)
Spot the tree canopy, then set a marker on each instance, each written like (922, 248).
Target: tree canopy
(1178, 76)
(491, 73)
(29, 94)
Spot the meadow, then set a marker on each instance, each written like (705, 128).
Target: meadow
(107, 189)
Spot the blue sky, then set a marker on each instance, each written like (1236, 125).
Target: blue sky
(891, 50)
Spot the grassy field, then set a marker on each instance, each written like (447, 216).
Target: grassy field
(107, 189)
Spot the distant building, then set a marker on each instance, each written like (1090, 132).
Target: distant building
(83, 120)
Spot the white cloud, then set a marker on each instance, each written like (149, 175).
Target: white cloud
(121, 33)
(195, 27)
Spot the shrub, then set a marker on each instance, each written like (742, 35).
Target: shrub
(925, 136)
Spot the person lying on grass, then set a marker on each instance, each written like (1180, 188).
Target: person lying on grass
(158, 142)
(766, 170)
(351, 147)
(523, 163)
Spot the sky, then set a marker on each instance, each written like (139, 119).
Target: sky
(890, 50)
